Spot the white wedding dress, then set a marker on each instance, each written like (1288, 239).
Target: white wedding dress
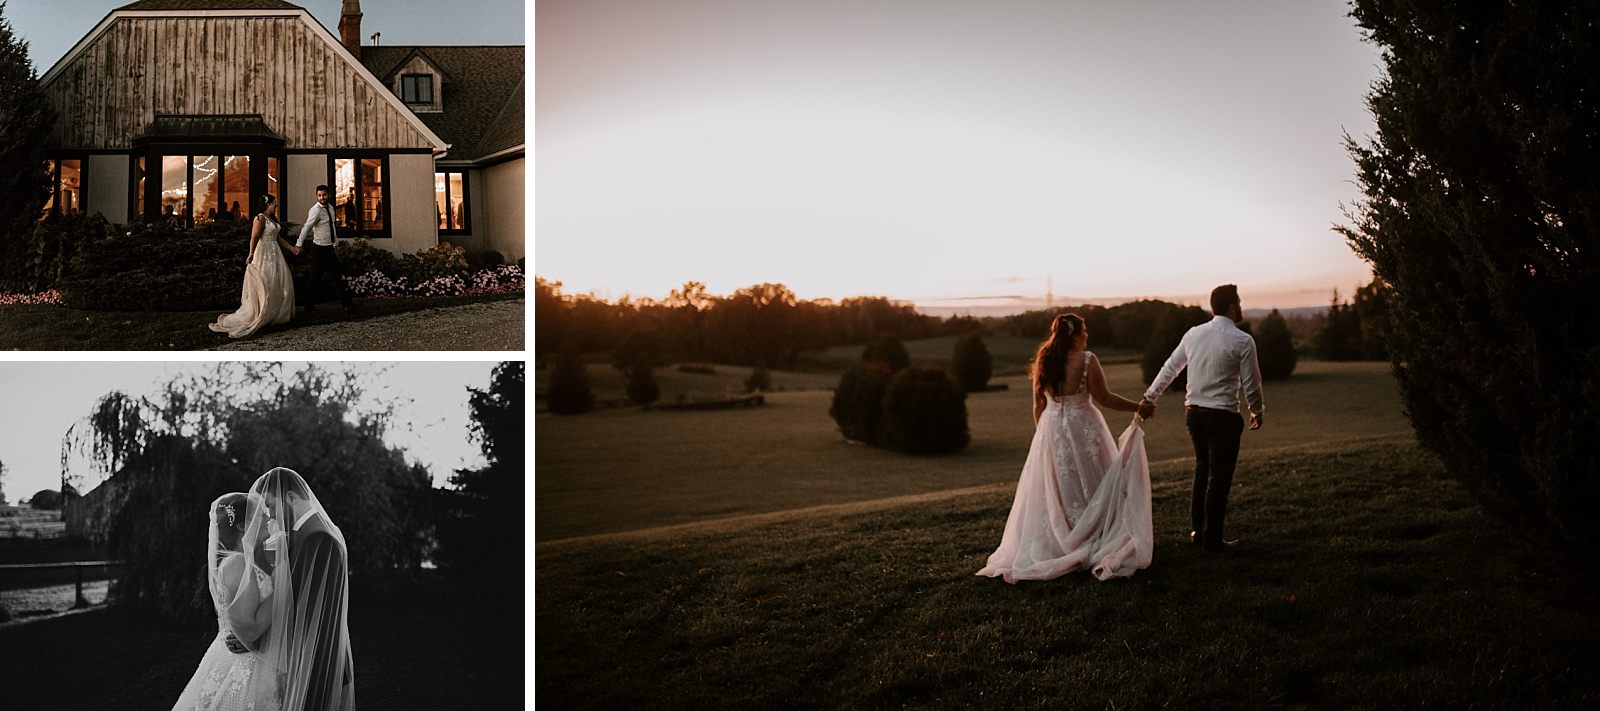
(226, 681)
(1081, 503)
(268, 294)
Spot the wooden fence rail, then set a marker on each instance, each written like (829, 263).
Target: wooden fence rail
(76, 566)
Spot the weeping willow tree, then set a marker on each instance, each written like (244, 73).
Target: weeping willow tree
(1480, 210)
(164, 459)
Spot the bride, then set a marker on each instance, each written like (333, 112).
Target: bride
(1080, 503)
(241, 587)
(268, 294)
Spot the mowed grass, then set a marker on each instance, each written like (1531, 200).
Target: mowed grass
(622, 469)
(1364, 580)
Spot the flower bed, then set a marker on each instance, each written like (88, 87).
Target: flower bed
(507, 278)
(44, 298)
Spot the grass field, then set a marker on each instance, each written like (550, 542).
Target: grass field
(626, 468)
(1364, 580)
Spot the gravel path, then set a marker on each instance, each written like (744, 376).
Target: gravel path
(493, 326)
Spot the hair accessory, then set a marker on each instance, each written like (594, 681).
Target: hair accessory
(229, 508)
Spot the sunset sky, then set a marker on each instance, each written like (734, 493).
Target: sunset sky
(940, 151)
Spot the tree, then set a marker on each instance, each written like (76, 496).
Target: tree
(2, 483)
(26, 120)
(858, 401)
(45, 499)
(480, 536)
(1479, 210)
(888, 350)
(1275, 347)
(1371, 306)
(1165, 338)
(759, 380)
(642, 386)
(1340, 337)
(569, 386)
(972, 363)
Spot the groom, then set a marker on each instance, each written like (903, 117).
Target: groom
(327, 281)
(1220, 358)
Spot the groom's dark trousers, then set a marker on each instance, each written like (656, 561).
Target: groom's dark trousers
(1216, 452)
(327, 280)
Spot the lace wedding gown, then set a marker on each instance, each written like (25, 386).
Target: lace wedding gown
(268, 294)
(1081, 503)
(226, 681)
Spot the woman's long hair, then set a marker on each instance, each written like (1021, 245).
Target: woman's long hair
(1049, 363)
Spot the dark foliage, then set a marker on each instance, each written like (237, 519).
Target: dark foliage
(642, 386)
(480, 536)
(888, 350)
(1340, 337)
(1165, 338)
(858, 401)
(45, 499)
(972, 363)
(925, 412)
(1275, 347)
(1371, 306)
(642, 347)
(26, 118)
(569, 386)
(1479, 210)
(759, 380)
(154, 266)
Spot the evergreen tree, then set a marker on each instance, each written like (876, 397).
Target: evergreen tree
(26, 119)
(1275, 347)
(888, 350)
(972, 363)
(759, 380)
(1479, 210)
(1340, 337)
(642, 386)
(569, 386)
(925, 412)
(481, 534)
(1165, 338)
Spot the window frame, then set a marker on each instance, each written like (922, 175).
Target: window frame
(466, 199)
(410, 81)
(54, 159)
(150, 209)
(388, 182)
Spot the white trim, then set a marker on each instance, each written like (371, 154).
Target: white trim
(522, 147)
(440, 148)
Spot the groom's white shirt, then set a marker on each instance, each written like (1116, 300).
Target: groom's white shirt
(319, 225)
(303, 518)
(1220, 358)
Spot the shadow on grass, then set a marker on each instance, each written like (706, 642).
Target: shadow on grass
(441, 648)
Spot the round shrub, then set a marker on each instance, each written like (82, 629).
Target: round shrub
(642, 386)
(1275, 348)
(972, 363)
(925, 412)
(888, 350)
(489, 258)
(858, 401)
(569, 386)
(759, 380)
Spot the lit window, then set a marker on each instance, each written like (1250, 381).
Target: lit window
(450, 201)
(358, 189)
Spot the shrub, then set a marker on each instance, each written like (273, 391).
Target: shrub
(925, 412)
(569, 386)
(759, 380)
(1165, 338)
(888, 350)
(1275, 348)
(358, 257)
(488, 258)
(642, 386)
(858, 401)
(1477, 210)
(441, 260)
(159, 266)
(972, 363)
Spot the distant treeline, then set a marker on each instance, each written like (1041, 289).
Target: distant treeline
(766, 325)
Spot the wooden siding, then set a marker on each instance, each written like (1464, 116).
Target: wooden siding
(277, 67)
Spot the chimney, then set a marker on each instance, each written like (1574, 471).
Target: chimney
(375, 37)
(350, 26)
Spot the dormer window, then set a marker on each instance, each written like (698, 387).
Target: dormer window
(416, 88)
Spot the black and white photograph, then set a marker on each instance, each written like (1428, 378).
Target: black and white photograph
(262, 534)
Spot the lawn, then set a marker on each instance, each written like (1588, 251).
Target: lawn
(620, 469)
(439, 648)
(57, 328)
(1364, 580)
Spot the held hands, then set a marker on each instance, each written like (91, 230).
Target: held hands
(1147, 409)
(234, 645)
